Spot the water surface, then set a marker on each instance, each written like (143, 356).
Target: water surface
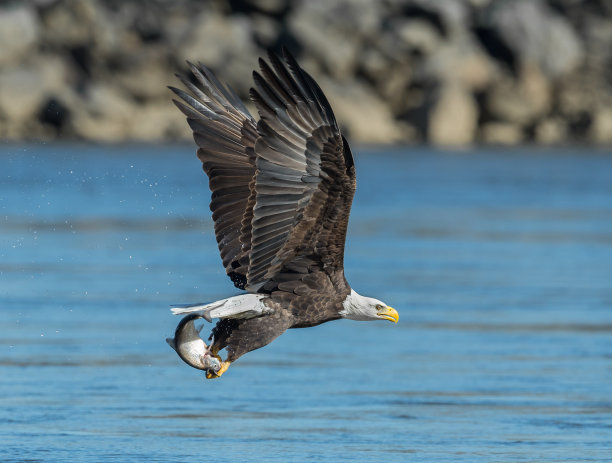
(499, 263)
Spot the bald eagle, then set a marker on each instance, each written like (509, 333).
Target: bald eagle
(282, 189)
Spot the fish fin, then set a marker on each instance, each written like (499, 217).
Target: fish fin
(171, 343)
(242, 306)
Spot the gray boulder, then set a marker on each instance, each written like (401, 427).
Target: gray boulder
(521, 100)
(454, 117)
(535, 34)
(18, 33)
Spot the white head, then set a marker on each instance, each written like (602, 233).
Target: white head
(358, 307)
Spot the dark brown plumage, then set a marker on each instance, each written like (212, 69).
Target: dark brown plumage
(281, 195)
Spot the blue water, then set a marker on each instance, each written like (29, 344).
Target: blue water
(500, 264)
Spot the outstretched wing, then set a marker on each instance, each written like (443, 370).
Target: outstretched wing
(305, 178)
(282, 188)
(225, 133)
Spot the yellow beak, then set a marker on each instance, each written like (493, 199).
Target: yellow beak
(388, 313)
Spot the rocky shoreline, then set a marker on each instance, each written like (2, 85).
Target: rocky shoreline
(455, 72)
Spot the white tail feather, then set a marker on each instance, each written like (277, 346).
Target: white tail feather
(243, 306)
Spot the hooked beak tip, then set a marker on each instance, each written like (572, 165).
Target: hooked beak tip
(389, 313)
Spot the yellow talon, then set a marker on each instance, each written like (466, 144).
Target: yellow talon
(224, 367)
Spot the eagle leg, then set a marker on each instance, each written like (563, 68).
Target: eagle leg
(214, 350)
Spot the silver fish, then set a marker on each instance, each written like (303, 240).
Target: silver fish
(191, 348)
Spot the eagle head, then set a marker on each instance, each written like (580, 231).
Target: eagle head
(362, 308)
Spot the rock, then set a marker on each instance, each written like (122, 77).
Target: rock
(265, 29)
(22, 91)
(447, 16)
(178, 29)
(601, 127)
(452, 120)
(415, 35)
(479, 3)
(460, 60)
(389, 78)
(597, 33)
(55, 72)
(373, 63)
(69, 24)
(535, 34)
(18, 33)
(501, 133)
(578, 94)
(363, 116)
(157, 121)
(271, 7)
(146, 81)
(224, 44)
(344, 24)
(551, 131)
(106, 115)
(519, 101)
(539, 69)
(394, 87)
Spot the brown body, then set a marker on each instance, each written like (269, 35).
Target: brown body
(308, 305)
